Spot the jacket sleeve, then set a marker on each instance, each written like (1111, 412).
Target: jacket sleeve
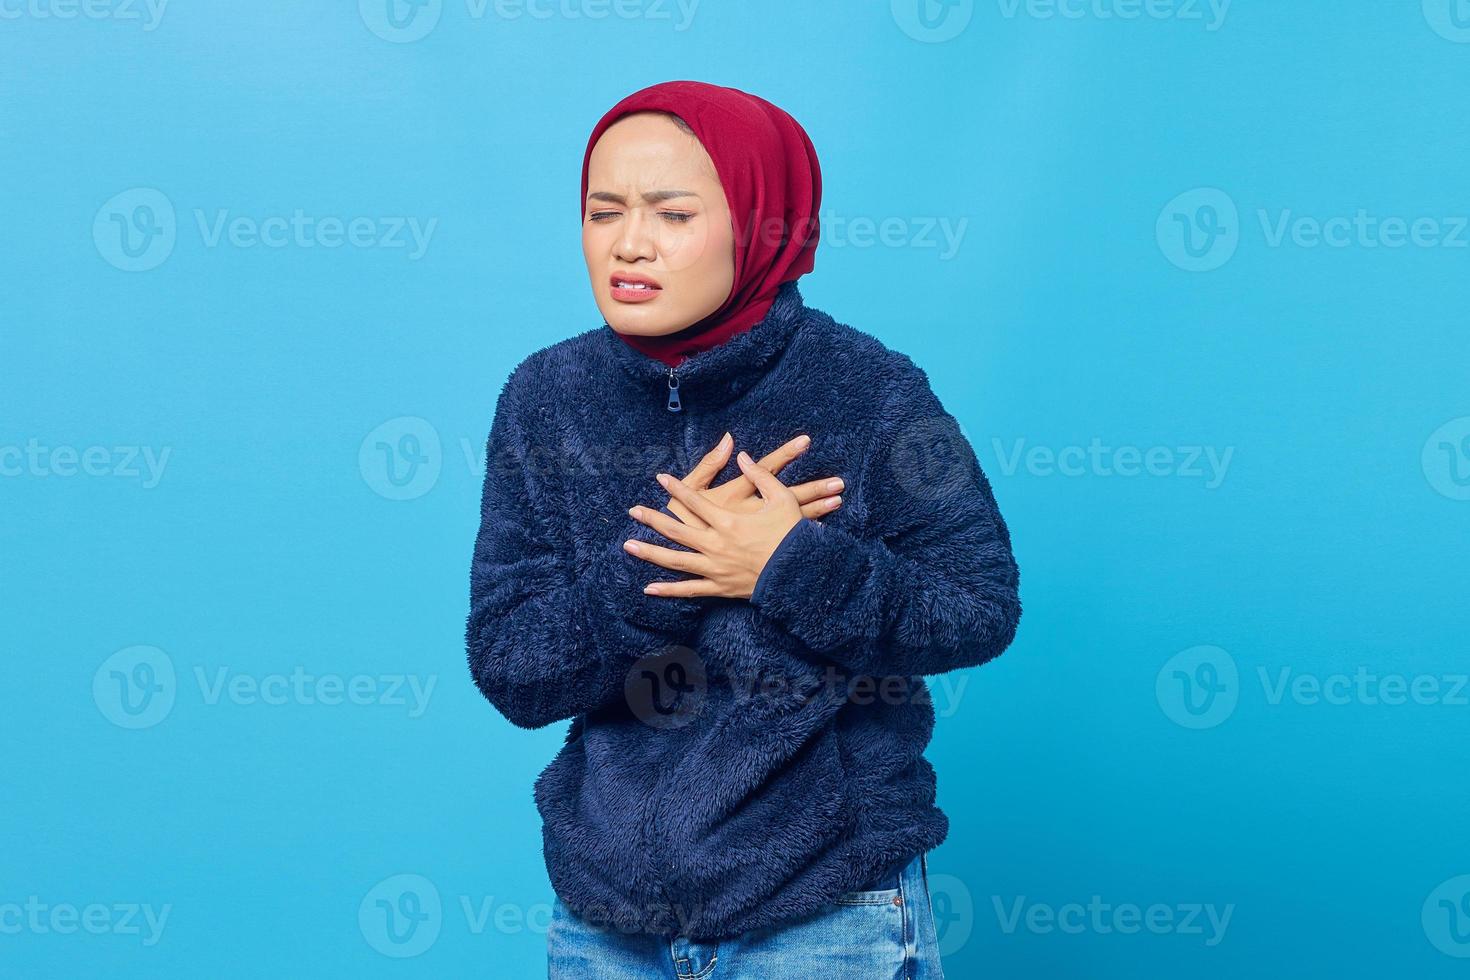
(549, 636)
(933, 586)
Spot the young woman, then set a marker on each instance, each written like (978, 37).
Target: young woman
(739, 645)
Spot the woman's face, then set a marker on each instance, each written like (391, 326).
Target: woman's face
(656, 214)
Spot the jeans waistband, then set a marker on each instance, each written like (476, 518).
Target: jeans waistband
(889, 878)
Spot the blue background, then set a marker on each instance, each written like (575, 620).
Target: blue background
(1078, 764)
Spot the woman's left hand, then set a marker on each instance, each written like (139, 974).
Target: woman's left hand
(729, 548)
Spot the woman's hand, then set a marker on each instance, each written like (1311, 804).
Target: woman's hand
(817, 497)
(730, 546)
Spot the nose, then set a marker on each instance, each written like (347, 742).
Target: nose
(636, 240)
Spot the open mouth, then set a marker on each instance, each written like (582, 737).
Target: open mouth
(634, 289)
(620, 283)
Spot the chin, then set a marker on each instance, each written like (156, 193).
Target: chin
(636, 322)
(636, 328)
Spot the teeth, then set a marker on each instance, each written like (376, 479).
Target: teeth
(634, 285)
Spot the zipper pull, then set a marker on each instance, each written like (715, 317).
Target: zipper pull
(674, 404)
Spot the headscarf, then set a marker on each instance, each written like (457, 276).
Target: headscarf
(773, 185)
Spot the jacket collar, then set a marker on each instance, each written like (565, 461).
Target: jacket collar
(725, 372)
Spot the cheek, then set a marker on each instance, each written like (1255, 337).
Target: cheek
(717, 264)
(590, 249)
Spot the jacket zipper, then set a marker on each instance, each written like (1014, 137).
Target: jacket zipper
(675, 404)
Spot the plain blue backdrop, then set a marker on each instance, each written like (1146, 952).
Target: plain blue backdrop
(1192, 278)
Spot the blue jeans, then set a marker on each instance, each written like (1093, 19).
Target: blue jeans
(883, 934)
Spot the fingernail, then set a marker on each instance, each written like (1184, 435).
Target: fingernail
(803, 440)
(834, 503)
(663, 479)
(633, 512)
(744, 457)
(650, 589)
(834, 485)
(725, 438)
(631, 547)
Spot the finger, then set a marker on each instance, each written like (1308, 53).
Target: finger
(819, 508)
(780, 456)
(677, 509)
(699, 478)
(770, 488)
(693, 500)
(680, 561)
(688, 587)
(815, 490)
(670, 528)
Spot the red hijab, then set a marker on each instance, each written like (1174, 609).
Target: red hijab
(773, 185)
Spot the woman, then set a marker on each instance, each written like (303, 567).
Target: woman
(742, 791)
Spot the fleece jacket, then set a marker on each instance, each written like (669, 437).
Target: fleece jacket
(732, 764)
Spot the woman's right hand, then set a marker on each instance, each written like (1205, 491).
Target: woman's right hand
(817, 497)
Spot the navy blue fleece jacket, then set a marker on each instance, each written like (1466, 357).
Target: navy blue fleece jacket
(732, 764)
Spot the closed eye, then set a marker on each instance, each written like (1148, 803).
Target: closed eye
(676, 217)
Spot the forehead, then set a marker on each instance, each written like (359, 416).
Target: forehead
(646, 149)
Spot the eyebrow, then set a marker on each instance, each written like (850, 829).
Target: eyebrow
(652, 197)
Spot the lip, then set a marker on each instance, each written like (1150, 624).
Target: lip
(626, 294)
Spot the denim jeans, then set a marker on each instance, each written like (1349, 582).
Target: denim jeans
(882, 934)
